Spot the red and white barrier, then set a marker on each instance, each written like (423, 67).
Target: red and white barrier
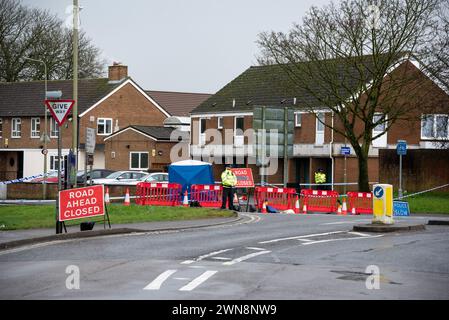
(319, 200)
(209, 196)
(278, 198)
(360, 202)
(159, 194)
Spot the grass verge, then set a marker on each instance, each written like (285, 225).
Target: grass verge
(429, 203)
(33, 217)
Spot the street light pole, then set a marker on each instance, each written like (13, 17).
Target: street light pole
(44, 187)
(75, 86)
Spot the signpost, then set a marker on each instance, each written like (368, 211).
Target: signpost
(59, 110)
(90, 149)
(346, 151)
(244, 180)
(401, 209)
(401, 150)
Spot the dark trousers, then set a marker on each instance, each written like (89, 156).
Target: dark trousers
(228, 197)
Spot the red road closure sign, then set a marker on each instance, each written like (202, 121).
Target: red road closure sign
(244, 177)
(60, 109)
(81, 203)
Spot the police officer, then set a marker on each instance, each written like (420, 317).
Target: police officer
(320, 178)
(228, 180)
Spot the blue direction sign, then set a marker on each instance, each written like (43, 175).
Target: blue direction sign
(401, 208)
(346, 151)
(401, 148)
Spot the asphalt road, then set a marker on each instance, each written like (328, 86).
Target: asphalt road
(273, 256)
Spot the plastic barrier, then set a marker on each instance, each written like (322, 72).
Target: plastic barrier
(319, 201)
(360, 203)
(207, 195)
(279, 198)
(158, 194)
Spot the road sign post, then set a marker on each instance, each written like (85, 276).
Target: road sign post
(401, 149)
(59, 110)
(90, 149)
(345, 151)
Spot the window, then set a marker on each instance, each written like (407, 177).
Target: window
(54, 128)
(16, 128)
(1, 127)
(239, 127)
(35, 127)
(104, 126)
(380, 127)
(54, 162)
(435, 126)
(297, 119)
(138, 160)
(202, 130)
(220, 123)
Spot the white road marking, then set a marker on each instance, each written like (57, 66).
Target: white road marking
(249, 256)
(205, 256)
(304, 236)
(341, 239)
(197, 281)
(360, 234)
(156, 283)
(255, 248)
(304, 240)
(182, 279)
(221, 258)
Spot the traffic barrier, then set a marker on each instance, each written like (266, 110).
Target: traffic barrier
(319, 200)
(209, 196)
(279, 198)
(159, 194)
(360, 202)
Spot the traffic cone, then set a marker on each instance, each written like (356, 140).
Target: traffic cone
(264, 207)
(353, 211)
(106, 196)
(236, 199)
(297, 205)
(185, 202)
(127, 202)
(339, 209)
(344, 209)
(304, 209)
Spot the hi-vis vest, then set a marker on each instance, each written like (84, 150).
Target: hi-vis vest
(228, 178)
(320, 177)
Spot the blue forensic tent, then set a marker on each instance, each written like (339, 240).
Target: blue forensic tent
(188, 172)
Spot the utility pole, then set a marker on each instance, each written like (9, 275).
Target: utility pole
(75, 87)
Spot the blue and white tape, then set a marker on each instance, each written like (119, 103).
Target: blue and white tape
(22, 179)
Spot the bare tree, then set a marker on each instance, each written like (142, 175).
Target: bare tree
(35, 33)
(354, 59)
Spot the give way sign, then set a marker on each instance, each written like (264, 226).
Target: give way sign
(59, 109)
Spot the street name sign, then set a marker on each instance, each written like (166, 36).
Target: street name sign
(81, 203)
(59, 109)
(346, 151)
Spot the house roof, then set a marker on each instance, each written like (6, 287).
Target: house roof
(155, 132)
(178, 103)
(271, 86)
(27, 98)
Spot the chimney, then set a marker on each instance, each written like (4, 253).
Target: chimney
(117, 72)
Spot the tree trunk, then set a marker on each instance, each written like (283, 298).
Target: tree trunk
(363, 173)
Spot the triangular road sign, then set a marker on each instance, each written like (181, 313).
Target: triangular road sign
(60, 109)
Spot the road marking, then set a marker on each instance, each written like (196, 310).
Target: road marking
(156, 283)
(255, 248)
(183, 279)
(360, 234)
(304, 236)
(221, 258)
(249, 256)
(205, 256)
(197, 281)
(304, 240)
(341, 239)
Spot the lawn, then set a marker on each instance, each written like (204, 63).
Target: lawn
(31, 217)
(429, 203)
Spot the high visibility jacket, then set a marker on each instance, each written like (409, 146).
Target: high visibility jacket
(228, 178)
(320, 177)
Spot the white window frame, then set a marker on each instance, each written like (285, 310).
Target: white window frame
(220, 126)
(14, 131)
(434, 129)
(35, 134)
(54, 124)
(298, 123)
(239, 139)
(105, 126)
(140, 160)
(52, 161)
(201, 135)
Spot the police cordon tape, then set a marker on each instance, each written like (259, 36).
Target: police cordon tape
(22, 179)
(421, 192)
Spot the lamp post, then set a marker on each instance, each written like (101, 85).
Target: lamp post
(45, 135)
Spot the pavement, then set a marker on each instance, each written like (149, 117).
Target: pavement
(274, 256)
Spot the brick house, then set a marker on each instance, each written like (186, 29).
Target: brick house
(106, 104)
(315, 145)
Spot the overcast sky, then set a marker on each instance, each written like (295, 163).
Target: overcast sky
(181, 45)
